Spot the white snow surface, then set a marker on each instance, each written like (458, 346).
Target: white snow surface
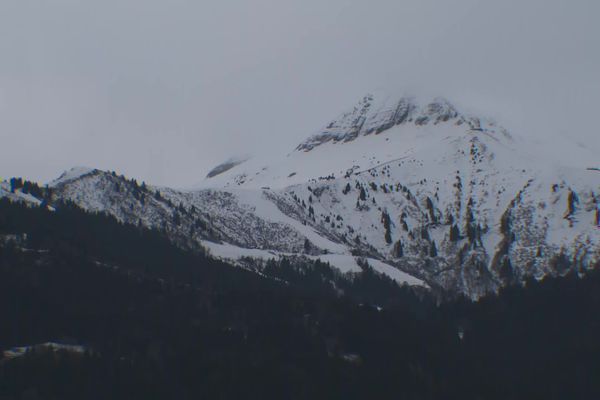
(346, 263)
(71, 174)
(18, 195)
(340, 152)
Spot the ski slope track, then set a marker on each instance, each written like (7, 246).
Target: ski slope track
(430, 195)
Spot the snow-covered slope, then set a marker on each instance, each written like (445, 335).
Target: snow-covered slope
(17, 194)
(72, 174)
(231, 223)
(424, 190)
(376, 131)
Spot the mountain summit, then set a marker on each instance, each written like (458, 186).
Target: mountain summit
(378, 130)
(374, 115)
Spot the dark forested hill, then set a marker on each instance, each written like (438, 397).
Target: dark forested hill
(159, 322)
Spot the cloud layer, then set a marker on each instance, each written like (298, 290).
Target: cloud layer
(163, 91)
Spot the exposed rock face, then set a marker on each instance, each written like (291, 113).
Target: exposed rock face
(376, 115)
(226, 166)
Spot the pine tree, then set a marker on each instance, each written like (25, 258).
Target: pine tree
(431, 209)
(571, 201)
(307, 246)
(398, 249)
(388, 237)
(386, 220)
(506, 270)
(347, 188)
(433, 250)
(454, 233)
(15, 183)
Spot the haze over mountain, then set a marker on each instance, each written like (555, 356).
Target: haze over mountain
(163, 92)
(428, 194)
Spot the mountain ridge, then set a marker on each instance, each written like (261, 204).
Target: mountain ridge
(426, 194)
(373, 115)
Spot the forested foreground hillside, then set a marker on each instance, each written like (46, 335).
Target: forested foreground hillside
(159, 322)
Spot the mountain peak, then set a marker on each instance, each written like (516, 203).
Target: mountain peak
(374, 114)
(72, 174)
(379, 129)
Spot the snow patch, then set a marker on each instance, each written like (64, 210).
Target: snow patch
(345, 263)
(72, 174)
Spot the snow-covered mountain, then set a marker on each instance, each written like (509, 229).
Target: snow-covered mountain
(429, 194)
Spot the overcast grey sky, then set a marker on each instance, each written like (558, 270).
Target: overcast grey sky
(164, 90)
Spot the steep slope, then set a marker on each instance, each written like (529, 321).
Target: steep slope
(425, 192)
(17, 194)
(448, 197)
(231, 223)
(376, 131)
